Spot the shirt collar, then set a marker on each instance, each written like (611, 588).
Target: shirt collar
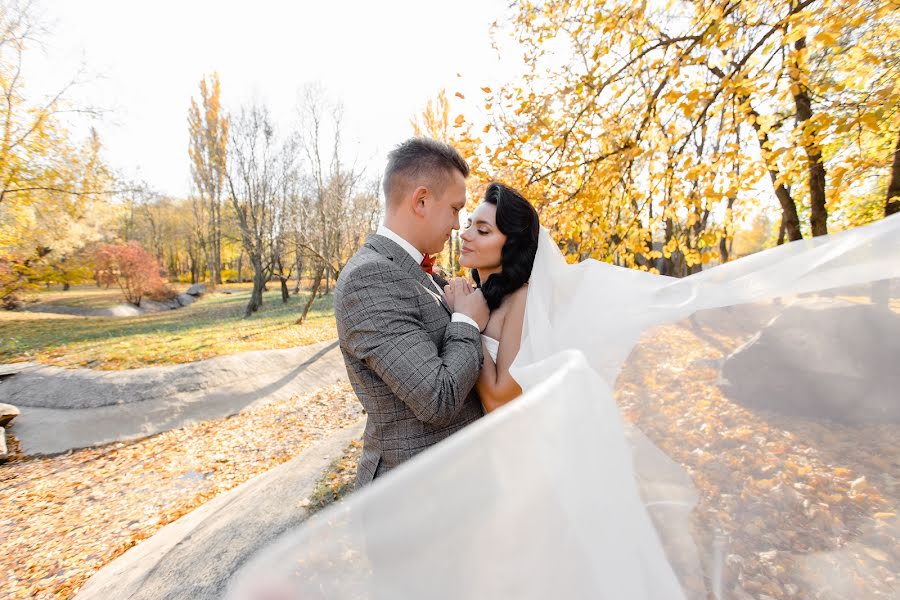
(410, 249)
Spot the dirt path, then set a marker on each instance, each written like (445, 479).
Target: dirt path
(64, 409)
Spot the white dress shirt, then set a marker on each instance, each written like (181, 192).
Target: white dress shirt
(418, 256)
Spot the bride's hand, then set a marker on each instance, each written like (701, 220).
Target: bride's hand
(456, 288)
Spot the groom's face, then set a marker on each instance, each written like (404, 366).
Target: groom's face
(442, 211)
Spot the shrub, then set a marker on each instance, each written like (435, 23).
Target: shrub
(135, 271)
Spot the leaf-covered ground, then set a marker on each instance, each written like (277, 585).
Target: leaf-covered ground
(797, 504)
(64, 517)
(338, 480)
(213, 326)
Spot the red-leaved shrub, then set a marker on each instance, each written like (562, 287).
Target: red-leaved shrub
(135, 271)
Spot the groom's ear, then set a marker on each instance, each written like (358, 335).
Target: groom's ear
(419, 196)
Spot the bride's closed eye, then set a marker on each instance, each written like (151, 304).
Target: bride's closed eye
(479, 231)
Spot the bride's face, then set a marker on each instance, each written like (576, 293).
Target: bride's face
(482, 242)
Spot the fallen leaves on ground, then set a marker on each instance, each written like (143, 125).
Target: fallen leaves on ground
(793, 504)
(339, 479)
(64, 517)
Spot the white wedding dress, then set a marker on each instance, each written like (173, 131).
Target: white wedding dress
(553, 495)
(491, 345)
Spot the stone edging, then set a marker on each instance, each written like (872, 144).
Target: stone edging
(196, 556)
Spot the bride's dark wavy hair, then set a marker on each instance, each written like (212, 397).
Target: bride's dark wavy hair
(518, 221)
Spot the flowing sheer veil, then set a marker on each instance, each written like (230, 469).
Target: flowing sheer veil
(731, 434)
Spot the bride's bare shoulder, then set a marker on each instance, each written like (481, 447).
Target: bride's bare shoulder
(518, 296)
(515, 302)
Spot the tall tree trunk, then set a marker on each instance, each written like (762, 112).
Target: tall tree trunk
(723, 241)
(789, 218)
(193, 262)
(208, 253)
(298, 268)
(781, 229)
(317, 282)
(218, 236)
(213, 261)
(285, 295)
(259, 284)
(818, 217)
(668, 264)
(892, 202)
(240, 265)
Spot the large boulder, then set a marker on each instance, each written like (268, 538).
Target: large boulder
(822, 358)
(185, 299)
(198, 289)
(8, 412)
(155, 306)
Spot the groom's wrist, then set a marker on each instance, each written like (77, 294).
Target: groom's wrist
(461, 318)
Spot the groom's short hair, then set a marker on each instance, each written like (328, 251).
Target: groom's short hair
(420, 161)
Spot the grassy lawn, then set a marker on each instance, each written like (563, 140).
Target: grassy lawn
(213, 326)
(83, 296)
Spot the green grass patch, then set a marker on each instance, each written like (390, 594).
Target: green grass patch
(80, 296)
(212, 326)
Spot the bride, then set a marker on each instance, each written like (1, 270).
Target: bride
(499, 246)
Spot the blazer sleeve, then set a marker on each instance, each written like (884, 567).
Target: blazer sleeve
(383, 329)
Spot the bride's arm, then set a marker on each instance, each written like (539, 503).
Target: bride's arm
(495, 385)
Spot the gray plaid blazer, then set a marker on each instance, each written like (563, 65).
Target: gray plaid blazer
(412, 369)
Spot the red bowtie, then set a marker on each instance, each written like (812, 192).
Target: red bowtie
(428, 264)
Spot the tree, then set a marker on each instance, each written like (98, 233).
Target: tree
(638, 126)
(334, 211)
(252, 186)
(892, 202)
(131, 268)
(41, 237)
(53, 190)
(208, 127)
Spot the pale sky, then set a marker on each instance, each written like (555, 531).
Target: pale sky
(383, 59)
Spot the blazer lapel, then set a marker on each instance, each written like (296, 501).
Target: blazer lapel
(390, 250)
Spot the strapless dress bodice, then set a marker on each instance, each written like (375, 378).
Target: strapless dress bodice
(491, 345)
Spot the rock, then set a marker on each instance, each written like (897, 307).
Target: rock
(198, 289)
(8, 412)
(821, 358)
(196, 556)
(154, 306)
(185, 299)
(4, 454)
(10, 369)
(124, 310)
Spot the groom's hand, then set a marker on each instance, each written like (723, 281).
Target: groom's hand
(472, 304)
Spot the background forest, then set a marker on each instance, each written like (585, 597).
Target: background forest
(659, 136)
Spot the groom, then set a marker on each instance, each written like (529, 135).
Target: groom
(411, 358)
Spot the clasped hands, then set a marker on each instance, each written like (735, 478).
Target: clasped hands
(464, 299)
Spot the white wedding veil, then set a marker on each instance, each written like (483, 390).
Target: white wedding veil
(731, 434)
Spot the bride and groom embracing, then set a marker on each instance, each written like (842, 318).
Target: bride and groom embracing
(557, 494)
(425, 356)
